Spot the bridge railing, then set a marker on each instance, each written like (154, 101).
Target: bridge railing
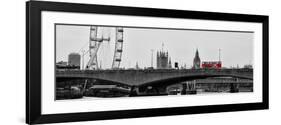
(159, 70)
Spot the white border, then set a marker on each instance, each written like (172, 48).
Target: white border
(50, 106)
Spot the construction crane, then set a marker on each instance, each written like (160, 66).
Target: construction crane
(95, 43)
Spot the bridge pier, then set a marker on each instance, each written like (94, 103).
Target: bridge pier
(134, 91)
(190, 87)
(234, 87)
(148, 91)
(184, 89)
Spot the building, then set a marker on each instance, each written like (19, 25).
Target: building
(63, 66)
(248, 66)
(170, 63)
(61, 63)
(196, 61)
(74, 59)
(137, 66)
(163, 60)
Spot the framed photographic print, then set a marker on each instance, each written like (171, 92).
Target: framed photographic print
(95, 62)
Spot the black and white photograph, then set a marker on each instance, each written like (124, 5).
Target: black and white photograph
(102, 61)
(99, 62)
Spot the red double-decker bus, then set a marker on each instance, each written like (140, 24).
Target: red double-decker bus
(212, 64)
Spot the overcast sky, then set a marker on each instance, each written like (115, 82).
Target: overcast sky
(236, 47)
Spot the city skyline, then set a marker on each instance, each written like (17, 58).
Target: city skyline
(139, 43)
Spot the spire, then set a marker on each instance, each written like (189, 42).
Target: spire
(196, 60)
(197, 53)
(170, 64)
(137, 65)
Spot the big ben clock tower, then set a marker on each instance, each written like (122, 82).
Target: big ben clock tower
(196, 61)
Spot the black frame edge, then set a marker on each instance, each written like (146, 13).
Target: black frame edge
(265, 58)
(33, 59)
(76, 117)
(27, 64)
(150, 12)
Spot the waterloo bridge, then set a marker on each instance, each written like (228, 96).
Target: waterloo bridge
(158, 78)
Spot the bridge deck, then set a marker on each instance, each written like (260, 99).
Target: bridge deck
(141, 77)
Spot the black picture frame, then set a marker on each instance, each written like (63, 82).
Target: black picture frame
(33, 61)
